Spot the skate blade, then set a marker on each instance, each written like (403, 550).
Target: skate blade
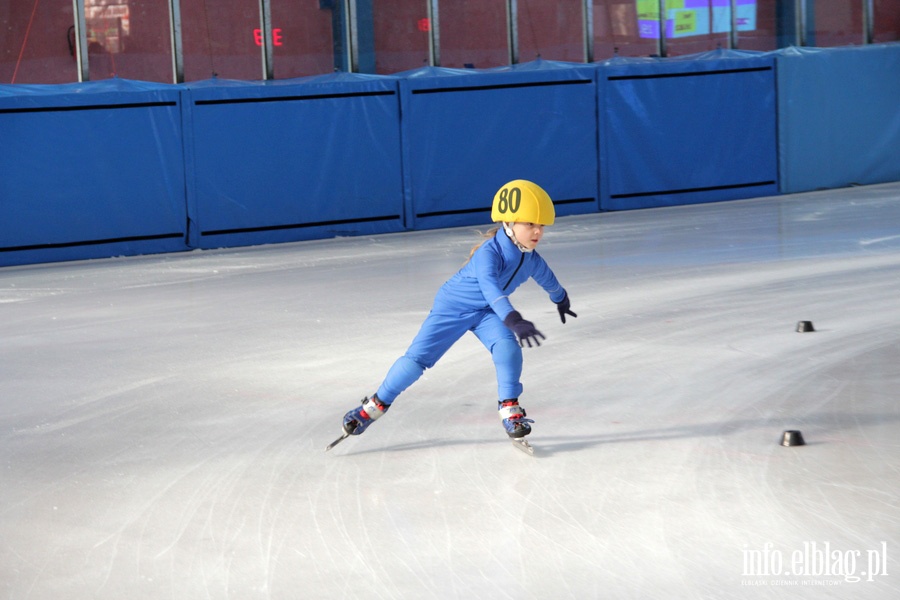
(343, 437)
(523, 445)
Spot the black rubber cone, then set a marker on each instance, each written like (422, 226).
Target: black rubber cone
(804, 326)
(792, 437)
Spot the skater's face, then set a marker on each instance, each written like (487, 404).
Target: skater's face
(528, 234)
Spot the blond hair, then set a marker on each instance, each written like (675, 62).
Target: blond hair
(486, 236)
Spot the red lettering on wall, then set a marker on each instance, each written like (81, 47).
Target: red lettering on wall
(277, 38)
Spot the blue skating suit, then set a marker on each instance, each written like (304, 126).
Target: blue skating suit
(476, 299)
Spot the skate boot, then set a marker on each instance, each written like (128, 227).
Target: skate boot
(513, 417)
(357, 420)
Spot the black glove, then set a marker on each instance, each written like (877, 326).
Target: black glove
(563, 307)
(525, 330)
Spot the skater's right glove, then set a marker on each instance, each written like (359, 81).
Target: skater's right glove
(524, 330)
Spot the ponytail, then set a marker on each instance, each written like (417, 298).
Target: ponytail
(487, 235)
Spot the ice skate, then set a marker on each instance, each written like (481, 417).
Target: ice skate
(358, 420)
(513, 417)
(515, 424)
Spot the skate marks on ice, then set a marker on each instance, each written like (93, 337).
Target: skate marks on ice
(842, 413)
(763, 434)
(377, 446)
(658, 456)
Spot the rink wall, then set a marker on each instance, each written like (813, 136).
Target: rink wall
(292, 160)
(684, 131)
(839, 116)
(90, 170)
(123, 167)
(467, 133)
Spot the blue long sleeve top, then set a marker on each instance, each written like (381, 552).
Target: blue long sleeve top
(496, 269)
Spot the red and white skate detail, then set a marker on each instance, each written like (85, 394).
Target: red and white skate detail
(372, 409)
(516, 425)
(512, 415)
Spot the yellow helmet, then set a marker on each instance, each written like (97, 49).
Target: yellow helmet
(522, 201)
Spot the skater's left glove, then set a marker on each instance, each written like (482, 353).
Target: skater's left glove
(563, 306)
(524, 330)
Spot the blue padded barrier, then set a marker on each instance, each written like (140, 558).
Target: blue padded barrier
(292, 160)
(466, 133)
(700, 128)
(90, 170)
(120, 167)
(839, 116)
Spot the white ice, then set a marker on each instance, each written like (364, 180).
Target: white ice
(163, 418)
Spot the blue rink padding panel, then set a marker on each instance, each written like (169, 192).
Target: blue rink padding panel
(839, 116)
(466, 133)
(292, 160)
(121, 167)
(90, 170)
(699, 129)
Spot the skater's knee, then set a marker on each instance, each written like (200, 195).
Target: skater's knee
(507, 351)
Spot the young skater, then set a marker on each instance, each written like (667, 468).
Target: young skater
(476, 299)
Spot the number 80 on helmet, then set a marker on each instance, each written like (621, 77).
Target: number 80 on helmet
(522, 201)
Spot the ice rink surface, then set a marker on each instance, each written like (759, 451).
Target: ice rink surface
(164, 418)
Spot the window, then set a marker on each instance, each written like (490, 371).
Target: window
(220, 38)
(38, 42)
(393, 35)
(758, 26)
(129, 39)
(132, 38)
(619, 32)
(834, 23)
(551, 30)
(473, 34)
(693, 26)
(303, 38)
(887, 21)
